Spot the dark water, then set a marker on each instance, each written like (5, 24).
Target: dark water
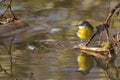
(53, 57)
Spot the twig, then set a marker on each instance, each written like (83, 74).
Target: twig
(94, 49)
(105, 25)
(118, 36)
(91, 39)
(111, 13)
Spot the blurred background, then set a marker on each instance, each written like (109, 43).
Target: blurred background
(48, 54)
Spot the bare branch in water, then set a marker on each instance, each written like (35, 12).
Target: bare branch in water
(107, 21)
(105, 25)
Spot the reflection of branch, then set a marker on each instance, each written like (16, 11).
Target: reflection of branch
(11, 10)
(112, 73)
(8, 8)
(9, 50)
(10, 53)
(3, 70)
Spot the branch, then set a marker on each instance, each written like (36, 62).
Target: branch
(111, 13)
(105, 25)
(95, 51)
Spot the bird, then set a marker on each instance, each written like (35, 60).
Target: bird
(85, 63)
(85, 30)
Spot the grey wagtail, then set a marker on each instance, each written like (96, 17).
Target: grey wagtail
(85, 30)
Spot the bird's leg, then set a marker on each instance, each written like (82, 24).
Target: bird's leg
(81, 42)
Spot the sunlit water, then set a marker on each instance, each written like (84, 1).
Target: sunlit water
(49, 55)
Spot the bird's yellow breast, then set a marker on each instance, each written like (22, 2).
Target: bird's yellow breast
(84, 32)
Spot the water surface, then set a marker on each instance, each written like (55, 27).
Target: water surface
(49, 53)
